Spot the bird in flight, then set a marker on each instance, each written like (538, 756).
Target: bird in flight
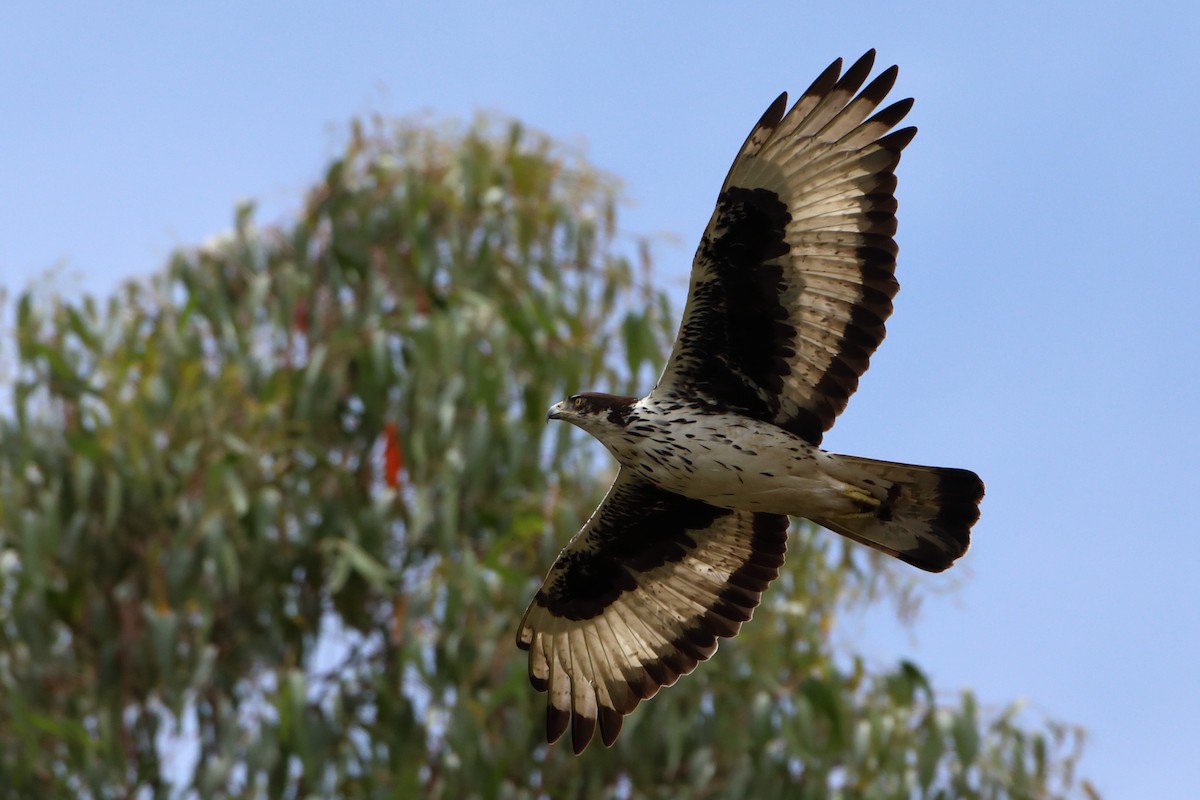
(790, 288)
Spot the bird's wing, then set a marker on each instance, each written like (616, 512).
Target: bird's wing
(637, 598)
(794, 277)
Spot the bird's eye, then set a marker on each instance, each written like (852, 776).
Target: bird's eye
(578, 402)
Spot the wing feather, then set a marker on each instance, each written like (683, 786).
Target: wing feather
(857, 109)
(639, 597)
(794, 277)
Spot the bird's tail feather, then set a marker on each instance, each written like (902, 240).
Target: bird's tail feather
(920, 515)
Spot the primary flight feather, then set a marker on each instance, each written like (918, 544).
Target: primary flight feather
(790, 288)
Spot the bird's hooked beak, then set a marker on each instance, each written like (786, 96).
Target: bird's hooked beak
(556, 410)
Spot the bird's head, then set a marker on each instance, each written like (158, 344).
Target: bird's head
(597, 413)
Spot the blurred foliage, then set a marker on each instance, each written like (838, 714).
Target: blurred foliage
(269, 519)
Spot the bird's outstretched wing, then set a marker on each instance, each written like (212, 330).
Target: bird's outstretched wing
(637, 598)
(794, 277)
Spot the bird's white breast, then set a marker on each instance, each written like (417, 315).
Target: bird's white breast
(724, 459)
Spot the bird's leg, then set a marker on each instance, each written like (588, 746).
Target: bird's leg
(868, 504)
(861, 498)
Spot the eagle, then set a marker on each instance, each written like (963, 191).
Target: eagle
(790, 288)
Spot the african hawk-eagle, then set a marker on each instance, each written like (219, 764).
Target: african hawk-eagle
(790, 288)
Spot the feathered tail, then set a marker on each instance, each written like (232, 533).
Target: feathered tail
(920, 515)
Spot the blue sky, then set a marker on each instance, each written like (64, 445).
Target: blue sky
(1044, 335)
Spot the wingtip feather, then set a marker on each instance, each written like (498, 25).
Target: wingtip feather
(898, 140)
(611, 721)
(858, 72)
(556, 723)
(774, 112)
(582, 729)
(824, 82)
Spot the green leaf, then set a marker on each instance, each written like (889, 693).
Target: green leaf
(965, 730)
(80, 328)
(827, 703)
(236, 490)
(357, 560)
(55, 360)
(164, 634)
(85, 444)
(113, 498)
(928, 755)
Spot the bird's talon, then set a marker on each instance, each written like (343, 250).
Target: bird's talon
(861, 498)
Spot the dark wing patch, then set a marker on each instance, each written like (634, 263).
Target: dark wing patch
(794, 277)
(637, 598)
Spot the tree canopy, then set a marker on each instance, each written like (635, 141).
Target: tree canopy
(268, 521)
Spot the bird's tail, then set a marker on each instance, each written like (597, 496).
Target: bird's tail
(920, 515)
